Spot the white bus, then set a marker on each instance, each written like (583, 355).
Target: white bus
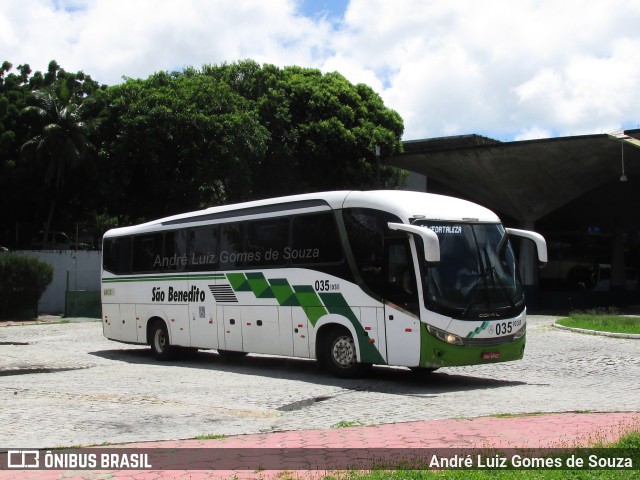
(349, 278)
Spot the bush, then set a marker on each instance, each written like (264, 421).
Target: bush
(23, 280)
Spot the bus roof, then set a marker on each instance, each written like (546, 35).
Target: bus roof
(404, 204)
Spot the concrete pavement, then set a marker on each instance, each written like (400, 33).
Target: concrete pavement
(64, 385)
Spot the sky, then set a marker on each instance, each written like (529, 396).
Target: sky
(506, 69)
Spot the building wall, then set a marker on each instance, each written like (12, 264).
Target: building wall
(74, 270)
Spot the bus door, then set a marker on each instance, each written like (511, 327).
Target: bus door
(401, 312)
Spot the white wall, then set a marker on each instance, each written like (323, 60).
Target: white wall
(81, 267)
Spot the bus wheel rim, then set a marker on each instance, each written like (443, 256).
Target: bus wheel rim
(344, 352)
(161, 340)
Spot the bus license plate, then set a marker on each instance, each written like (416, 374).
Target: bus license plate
(490, 355)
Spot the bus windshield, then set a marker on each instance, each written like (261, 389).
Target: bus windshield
(476, 277)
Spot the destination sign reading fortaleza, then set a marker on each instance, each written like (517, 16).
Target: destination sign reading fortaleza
(446, 229)
(321, 459)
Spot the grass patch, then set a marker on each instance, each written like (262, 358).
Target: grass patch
(211, 436)
(518, 415)
(602, 323)
(346, 424)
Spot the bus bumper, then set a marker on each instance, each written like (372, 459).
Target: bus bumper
(436, 353)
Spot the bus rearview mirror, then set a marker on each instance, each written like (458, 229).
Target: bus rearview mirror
(428, 236)
(538, 240)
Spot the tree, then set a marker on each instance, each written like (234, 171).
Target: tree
(323, 129)
(185, 140)
(16, 128)
(177, 142)
(59, 141)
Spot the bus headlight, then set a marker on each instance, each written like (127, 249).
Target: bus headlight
(447, 337)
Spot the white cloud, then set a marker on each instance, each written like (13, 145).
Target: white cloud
(501, 68)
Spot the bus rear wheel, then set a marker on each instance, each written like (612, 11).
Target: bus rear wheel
(340, 355)
(159, 340)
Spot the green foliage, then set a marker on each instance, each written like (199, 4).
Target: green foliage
(237, 132)
(59, 139)
(630, 441)
(177, 142)
(185, 140)
(323, 129)
(23, 280)
(25, 180)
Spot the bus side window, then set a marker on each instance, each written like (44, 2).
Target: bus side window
(315, 239)
(117, 255)
(175, 250)
(147, 253)
(266, 242)
(232, 251)
(366, 230)
(203, 248)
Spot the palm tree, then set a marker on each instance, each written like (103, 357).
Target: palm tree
(60, 140)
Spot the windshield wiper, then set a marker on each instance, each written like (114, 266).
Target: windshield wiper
(474, 290)
(490, 272)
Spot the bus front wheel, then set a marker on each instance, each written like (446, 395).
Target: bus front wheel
(160, 346)
(340, 355)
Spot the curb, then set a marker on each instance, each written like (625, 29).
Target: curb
(633, 336)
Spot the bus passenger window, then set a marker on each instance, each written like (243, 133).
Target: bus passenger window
(232, 252)
(366, 230)
(266, 242)
(315, 239)
(203, 248)
(117, 255)
(147, 253)
(175, 250)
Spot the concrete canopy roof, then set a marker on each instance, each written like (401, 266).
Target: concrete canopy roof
(526, 180)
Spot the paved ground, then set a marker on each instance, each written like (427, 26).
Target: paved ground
(64, 385)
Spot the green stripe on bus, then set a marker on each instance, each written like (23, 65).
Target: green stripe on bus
(337, 304)
(164, 278)
(284, 293)
(239, 282)
(308, 298)
(145, 279)
(259, 285)
(478, 330)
